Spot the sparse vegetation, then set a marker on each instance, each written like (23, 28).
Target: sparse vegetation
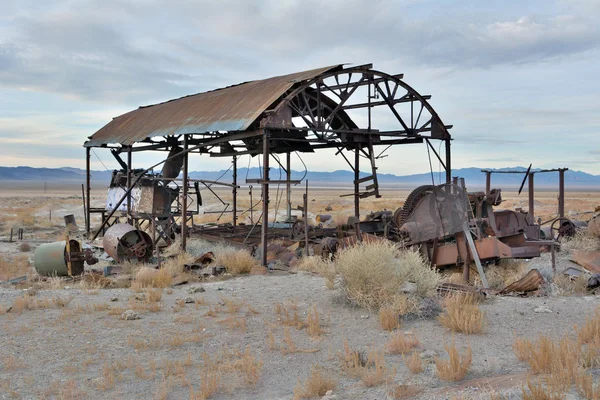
(235, 261)
(455, 368)
(316, 385)
(414, 363)
(462, 314)
(401, 343)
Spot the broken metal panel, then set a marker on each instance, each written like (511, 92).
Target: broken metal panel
(233, 108)
(588, 260)
(529, 283)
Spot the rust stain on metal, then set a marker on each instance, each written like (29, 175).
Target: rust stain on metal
(529, 283)
(588, 260)
(233, 108)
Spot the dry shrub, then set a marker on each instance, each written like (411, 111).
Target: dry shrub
(235, 367)
(414, 363)
(233, 322)
(30, 302)
(570, 286)
(153, 295)
(582, 240)
(456, 367)
(352, 361)
(235, 261)
(373, 272)
(24, 247)
(388, 318)
(590, 331)
(401, 343)
(404, 391)
(152, 278)
(312, 323)
(376, 371)
(317, 265)
(462, 314)
(536, 391)
(522, 349)
(504, 273)
(289, 316)
(316, 385)
(585, 386)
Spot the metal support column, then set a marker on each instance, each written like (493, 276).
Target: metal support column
(184, 200)
(356, 183)
(265, 198)
(488, 183)
(561, 193)
(87, 189)
(288, 187)
(531, 195)
(129, 172)
(448, 163)
(234, 193)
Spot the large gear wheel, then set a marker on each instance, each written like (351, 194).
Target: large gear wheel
(402, 213)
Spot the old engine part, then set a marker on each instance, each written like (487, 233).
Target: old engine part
(55, 259)
(565, 227)
(124, 242)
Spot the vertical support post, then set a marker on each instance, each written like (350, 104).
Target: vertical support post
(87, 189)
(84, 206)
(306, 254)
(185, 195)
(531, 194)
(488, 183)
(265, 198)
(288, 187)
(129, 163)
(561, 193)
(356, 184)
(11, 235)
(448, 162)
(234, 194)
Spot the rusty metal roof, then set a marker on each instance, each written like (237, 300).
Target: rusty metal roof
(233, 108)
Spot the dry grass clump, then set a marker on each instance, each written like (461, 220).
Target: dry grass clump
(235, 261)
(570, 286)
(404, 391)
(316, 385)
(237, 368)
(373, 272)
(414, 363)
(504, 273)
(318, 265)
(153, 295)
(30, 302)
(352, 361)
(289, 346)
(456, 367)
(376, 372)
(289, 316)
(582, 240)
(590, 331)
(389, 318)
(313, 327)
(401, 343)
(233, 322)
(231, 305)
(461, 314)
(148, 277)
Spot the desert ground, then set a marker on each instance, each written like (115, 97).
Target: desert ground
(285, 334)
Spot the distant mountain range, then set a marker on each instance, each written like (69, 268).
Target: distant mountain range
(473, 177)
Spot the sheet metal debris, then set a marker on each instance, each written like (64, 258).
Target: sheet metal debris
(588, 260)
(529, 283)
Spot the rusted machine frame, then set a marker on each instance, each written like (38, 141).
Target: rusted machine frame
(319, 117)
(530, 177)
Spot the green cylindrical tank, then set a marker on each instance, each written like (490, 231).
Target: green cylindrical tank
(50, 259)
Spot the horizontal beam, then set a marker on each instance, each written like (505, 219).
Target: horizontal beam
(522, 172)
(364, 83)
(403, 99)
(269, 181)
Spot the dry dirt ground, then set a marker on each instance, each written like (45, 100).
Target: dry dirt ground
(75, 344)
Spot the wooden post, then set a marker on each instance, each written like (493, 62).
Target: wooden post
(265, 198)
(306, 221)
(561, 193)
(84, 206)
(129, 166)
(356, 184)
(234, 193)
(87, 189)
(531, 197)
(185, 196)
(288, 187)
(448, 162)
(488, 183)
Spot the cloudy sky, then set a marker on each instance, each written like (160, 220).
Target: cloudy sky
(517, 79)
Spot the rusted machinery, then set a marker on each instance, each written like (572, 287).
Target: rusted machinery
(65, 258)
(123, 242)
(438, 219)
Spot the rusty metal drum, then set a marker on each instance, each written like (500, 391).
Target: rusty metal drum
(123, 242)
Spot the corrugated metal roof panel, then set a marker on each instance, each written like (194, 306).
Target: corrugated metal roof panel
(233, 108)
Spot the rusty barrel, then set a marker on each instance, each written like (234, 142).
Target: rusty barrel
(123, 242)
(51, 259)
(71, 224)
